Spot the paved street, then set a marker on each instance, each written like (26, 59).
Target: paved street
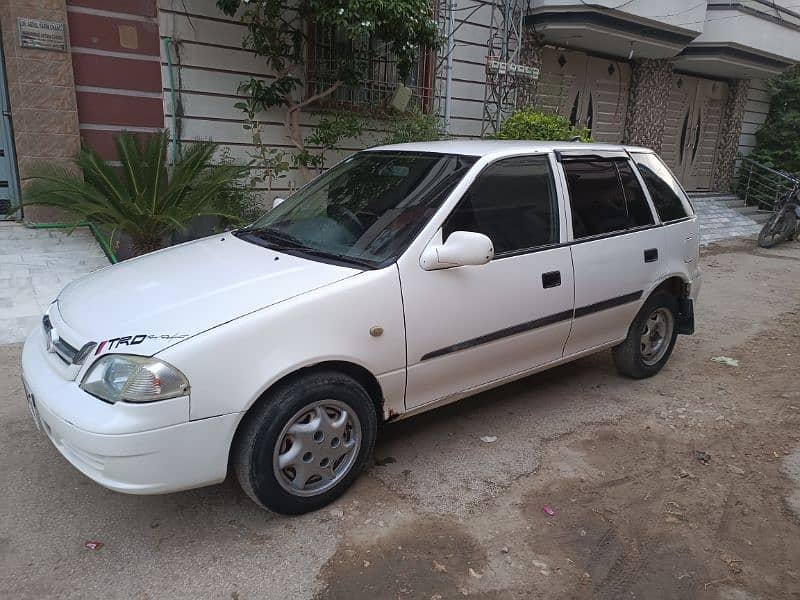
(442, 514)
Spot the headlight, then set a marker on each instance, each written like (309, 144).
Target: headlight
(133, 379)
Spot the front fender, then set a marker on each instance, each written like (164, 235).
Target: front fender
(230, 366)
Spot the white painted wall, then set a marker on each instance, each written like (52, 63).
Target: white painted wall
(756, 110)
(766, 35)
(683, 14)
(212, 63)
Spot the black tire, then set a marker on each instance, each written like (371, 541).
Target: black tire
(628, 355)
(252, 456)
(774, 232)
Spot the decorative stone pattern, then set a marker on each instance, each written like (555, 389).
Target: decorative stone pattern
(647, 103)
(41, 92)
(730, 131)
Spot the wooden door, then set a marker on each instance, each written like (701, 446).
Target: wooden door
(605, 99)
(561, 81)
(692, 128)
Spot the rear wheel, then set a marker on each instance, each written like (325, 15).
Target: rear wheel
(778, 228)
(305, 444)
(651, 338)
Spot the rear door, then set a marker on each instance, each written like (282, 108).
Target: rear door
(617, 250)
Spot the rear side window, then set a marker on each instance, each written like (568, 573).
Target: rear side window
(512, 201)
(605, 197)
(664, 190)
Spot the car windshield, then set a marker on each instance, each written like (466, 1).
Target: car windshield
(365, 211)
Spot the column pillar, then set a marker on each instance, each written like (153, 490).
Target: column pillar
(647, 103)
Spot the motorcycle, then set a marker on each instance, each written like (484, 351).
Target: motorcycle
(782, 224)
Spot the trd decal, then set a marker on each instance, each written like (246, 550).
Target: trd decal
(133, 340)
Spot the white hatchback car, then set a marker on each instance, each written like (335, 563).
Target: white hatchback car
(404, 278)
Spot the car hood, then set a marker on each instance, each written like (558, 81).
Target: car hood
(181, 291)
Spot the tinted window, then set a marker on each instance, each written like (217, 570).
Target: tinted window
(513, 202)
(664, 190)
(605, 197)
(639, 212)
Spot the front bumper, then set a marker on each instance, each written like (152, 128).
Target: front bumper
(137, 449)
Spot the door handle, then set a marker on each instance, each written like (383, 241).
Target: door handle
(551, 279)
(651, 255)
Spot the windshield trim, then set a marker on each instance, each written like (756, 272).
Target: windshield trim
(314, 255)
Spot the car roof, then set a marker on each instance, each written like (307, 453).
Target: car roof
(500, 147)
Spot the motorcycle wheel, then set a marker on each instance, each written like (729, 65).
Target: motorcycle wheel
(777, 229)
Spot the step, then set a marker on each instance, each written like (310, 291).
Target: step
(748, 210)
(711, 195)
(761, 216)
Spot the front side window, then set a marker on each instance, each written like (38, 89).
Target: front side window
(664, 189)
(364, 211)
(513, 202)
(605, 197)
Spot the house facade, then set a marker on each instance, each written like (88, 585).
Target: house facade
(686, 78)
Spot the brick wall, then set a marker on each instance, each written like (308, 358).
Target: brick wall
(41, 93)
(116, 61)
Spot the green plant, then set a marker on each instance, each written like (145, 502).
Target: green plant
(143, 197)
(328, 134)
(529, 124)
(277, 32)
(778, 139)
(238, 201)
(414, 127)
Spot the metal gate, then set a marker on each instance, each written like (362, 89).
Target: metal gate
(9, 185)
(591, 92)
(692, 128)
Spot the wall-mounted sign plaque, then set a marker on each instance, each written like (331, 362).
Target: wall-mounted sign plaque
(44, 35)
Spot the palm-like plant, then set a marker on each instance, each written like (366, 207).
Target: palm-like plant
(143, 197)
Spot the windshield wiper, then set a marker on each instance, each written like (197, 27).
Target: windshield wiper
(283, 242)
(273, 234)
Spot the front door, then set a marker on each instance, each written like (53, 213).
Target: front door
(692, 129)
(471, 326)
(8, 169)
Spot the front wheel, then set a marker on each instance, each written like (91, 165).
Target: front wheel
(778, 228)
(305, 444)
(651, 338)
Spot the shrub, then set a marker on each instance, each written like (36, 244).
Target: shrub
(529, 124)
(415, 127)
(144, 197)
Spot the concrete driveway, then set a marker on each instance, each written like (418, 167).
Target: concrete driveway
(638, 513)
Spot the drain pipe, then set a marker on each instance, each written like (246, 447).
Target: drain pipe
(173, 100)
(451, 46)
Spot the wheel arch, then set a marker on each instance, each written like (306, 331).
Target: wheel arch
(676, 284)
(359, 373)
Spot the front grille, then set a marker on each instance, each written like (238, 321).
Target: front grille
(63, 350)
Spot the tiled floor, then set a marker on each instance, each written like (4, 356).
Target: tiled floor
(718, 222)
(34, 265)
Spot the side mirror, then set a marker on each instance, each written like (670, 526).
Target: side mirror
(277, 201)
(460, 249)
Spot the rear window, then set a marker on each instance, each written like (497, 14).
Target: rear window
(664, 189)
(605, 197)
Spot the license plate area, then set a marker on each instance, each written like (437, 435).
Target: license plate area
(32, 405)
